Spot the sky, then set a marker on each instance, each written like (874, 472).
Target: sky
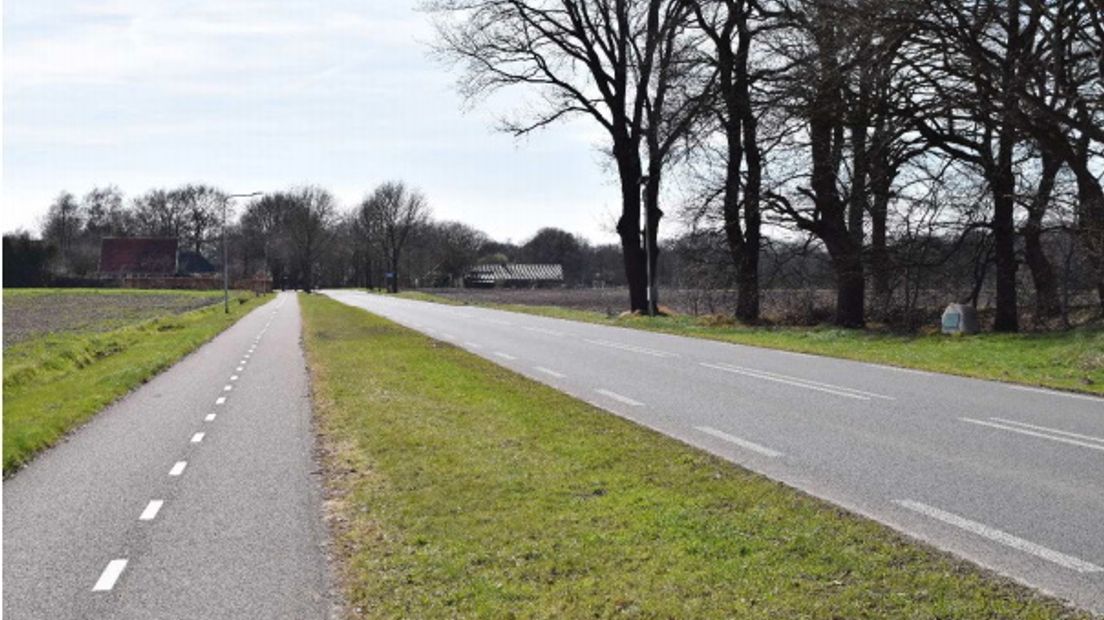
(261, 95)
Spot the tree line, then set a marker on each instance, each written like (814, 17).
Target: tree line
(300, 238)
(890, 135)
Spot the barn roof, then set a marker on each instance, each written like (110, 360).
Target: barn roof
(138, 255)
(530, 272)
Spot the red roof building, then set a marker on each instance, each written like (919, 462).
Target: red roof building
(137, 256)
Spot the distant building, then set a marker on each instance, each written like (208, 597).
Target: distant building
(137, 256)
(515, 275)
(191, 262)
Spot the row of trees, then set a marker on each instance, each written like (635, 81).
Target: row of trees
(299, 238)
(865, 126)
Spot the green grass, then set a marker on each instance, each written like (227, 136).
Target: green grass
(1069, 360)
(460, 489)
(57, 381)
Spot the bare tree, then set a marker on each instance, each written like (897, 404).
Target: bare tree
(308, 220)
(398, 211)
(592, 58)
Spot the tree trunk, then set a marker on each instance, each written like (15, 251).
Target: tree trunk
(1004, 238)
(1090, 226)
(850, 284)
(1047, 302)
(628, 225)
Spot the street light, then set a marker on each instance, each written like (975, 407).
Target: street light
(225, 259)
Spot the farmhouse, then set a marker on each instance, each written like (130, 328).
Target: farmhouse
(137, 256)
(515, 275)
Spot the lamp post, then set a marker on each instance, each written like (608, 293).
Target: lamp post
(225, 257)
(650, 289)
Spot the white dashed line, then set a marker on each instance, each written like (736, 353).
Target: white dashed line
(152, 508)
(1025, 431)
(620, 398)
(505, 356)
(1003, 538)
(239, 368)
(796, 382)
(549, 371)
(178, 468)
(473, 345)
(227, 388)
(631, 348)
(743, 443)
(233, 377)
(541, 330)
(210, 418)
(198, 437)
(1024, 388)
(220, 400)
(110, 575)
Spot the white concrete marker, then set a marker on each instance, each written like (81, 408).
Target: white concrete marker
(505, 356)
(178, 468)
(152, 508)
(743, 443)
(110, 575)
(220, 400)
(549, 371)
(210, 418)
(1024, 431)
(198, 437)
(620, 398)
(1004, 538)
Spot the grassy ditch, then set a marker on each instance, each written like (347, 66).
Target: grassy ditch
(460, 489)
(1069, 360)
(55, 381)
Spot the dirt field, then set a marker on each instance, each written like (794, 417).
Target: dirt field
(35, 312)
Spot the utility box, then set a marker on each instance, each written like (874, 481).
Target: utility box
(960, 319)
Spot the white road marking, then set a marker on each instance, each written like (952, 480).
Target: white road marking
(178, 468)
(505, 356)
(152, 508)
(210, 418)
(220, 400)
(110, 575)
(541, 330)
(243, 362)
(743, 443)
(793, 382)
(619, 397)
(1051, 430)
(246, 356)
(549, 371)
(497, 322)
(233, 377)
(1024, 431)
(1024, 388)
(811, 382)
(632, 348)
(473, 345)
(227, 388)
(449, 336)
(1001, 537)
(198, 437)
(239, 368)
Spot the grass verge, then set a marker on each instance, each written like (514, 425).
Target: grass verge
(55, 382)
(459, 489)
(1070, 360)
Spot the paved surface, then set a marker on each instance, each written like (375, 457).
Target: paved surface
(239, 532)
(1009, 477)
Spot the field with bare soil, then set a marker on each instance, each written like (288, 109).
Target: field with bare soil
(29, 313)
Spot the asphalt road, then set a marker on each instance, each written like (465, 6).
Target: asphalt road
(1009, 477)
(193, 497)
